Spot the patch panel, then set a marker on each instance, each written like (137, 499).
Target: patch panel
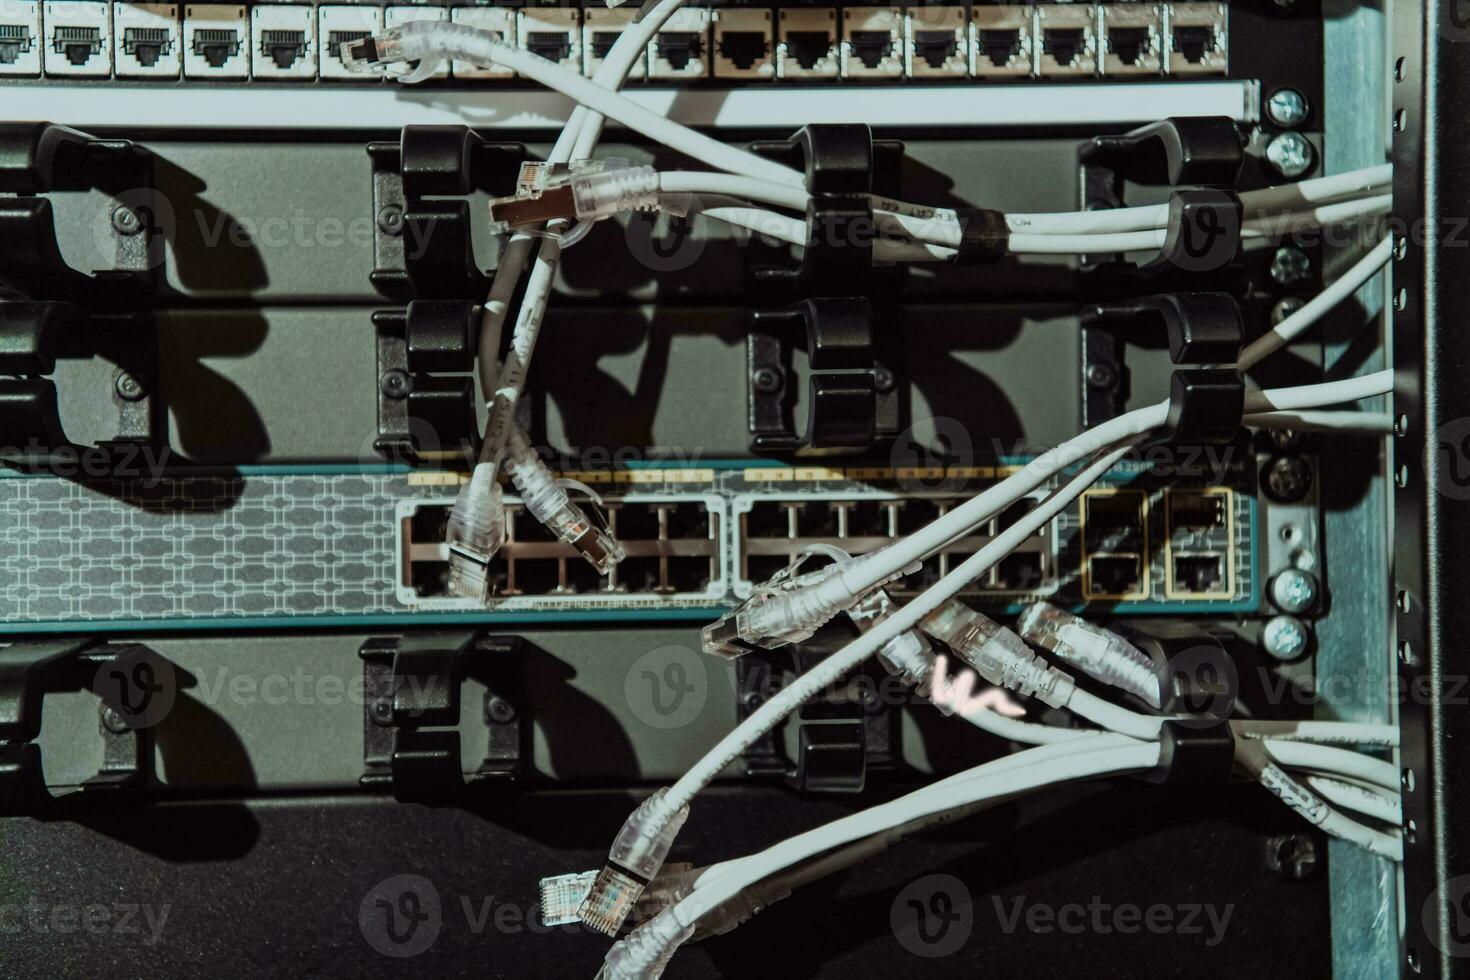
(673, 546)
(872, 42)
(601, 28)
(1131, 39)
(282, 41)
(554, 33)
(744, 42)
(1198, 36)
(216, 41)
(145, 40)
(680, 49)
(807, 44)
(20, 37)
(339, 24)
(937, 42)
(78, 38)
(400, 14)
(1065, 40)
(1001, 41)
(501, 21)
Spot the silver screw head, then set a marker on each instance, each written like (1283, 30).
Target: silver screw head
(1287, 108)
(1290, 155)
(1290, 266)
(1284, 637)
(1294, 591)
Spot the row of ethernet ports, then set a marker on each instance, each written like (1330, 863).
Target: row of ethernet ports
(79, 38)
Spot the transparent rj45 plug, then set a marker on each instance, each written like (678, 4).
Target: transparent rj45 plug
(634, 860)
(584, 190)
(475, 533)
(1090, 648)
(997, 654)
(545, 498)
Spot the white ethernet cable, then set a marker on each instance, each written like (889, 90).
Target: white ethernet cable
(431, 42)
(1368, 423)
(607, 906)
(644, 953)
(476, 526)
(1344, 286)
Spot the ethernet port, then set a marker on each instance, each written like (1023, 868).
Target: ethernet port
(633, 522)
(1019, 572)
(687, 520)
(1064, 46)
(525, 527)
(1113, 520)
(428, 524)
(537, 576)
(147, 44)
(216, 46)
(1196, 511)
(1199, 573)
(638, 575)
(1194, 44)
(554, 46)
(867, 519)
(1000, 48)
(935, 48)
(816, 519)
(1198, 34)
(335, 40)
(15, 40)
(1114, 575)
(283, 48)
(78, 44)
(688, 574)
(871, 47)
(915, 513)
(760, 568)
(602, 43)
(744, 48)
(807, 48)
(429, 578)
(679, 48)
(1130, 45)
(582, 577)
(767, 519)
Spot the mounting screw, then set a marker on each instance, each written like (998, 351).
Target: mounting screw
(1287, 479)
(111, 720)
(125, 220)
(1290, 265)
(1293, 856)
(1294, 591)
(1101, 376)
(1290, 155)
(381, 711)
(394, 384)
(498, 710)
(882, 379)
(1284, 637)
(766, 380)
(390, 219)
(128, 387)
(1284, 308)
(1287, 108)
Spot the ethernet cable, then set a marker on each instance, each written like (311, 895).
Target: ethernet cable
(1368, 423)
(476, 526)
(653, 825)
(1344, 286)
